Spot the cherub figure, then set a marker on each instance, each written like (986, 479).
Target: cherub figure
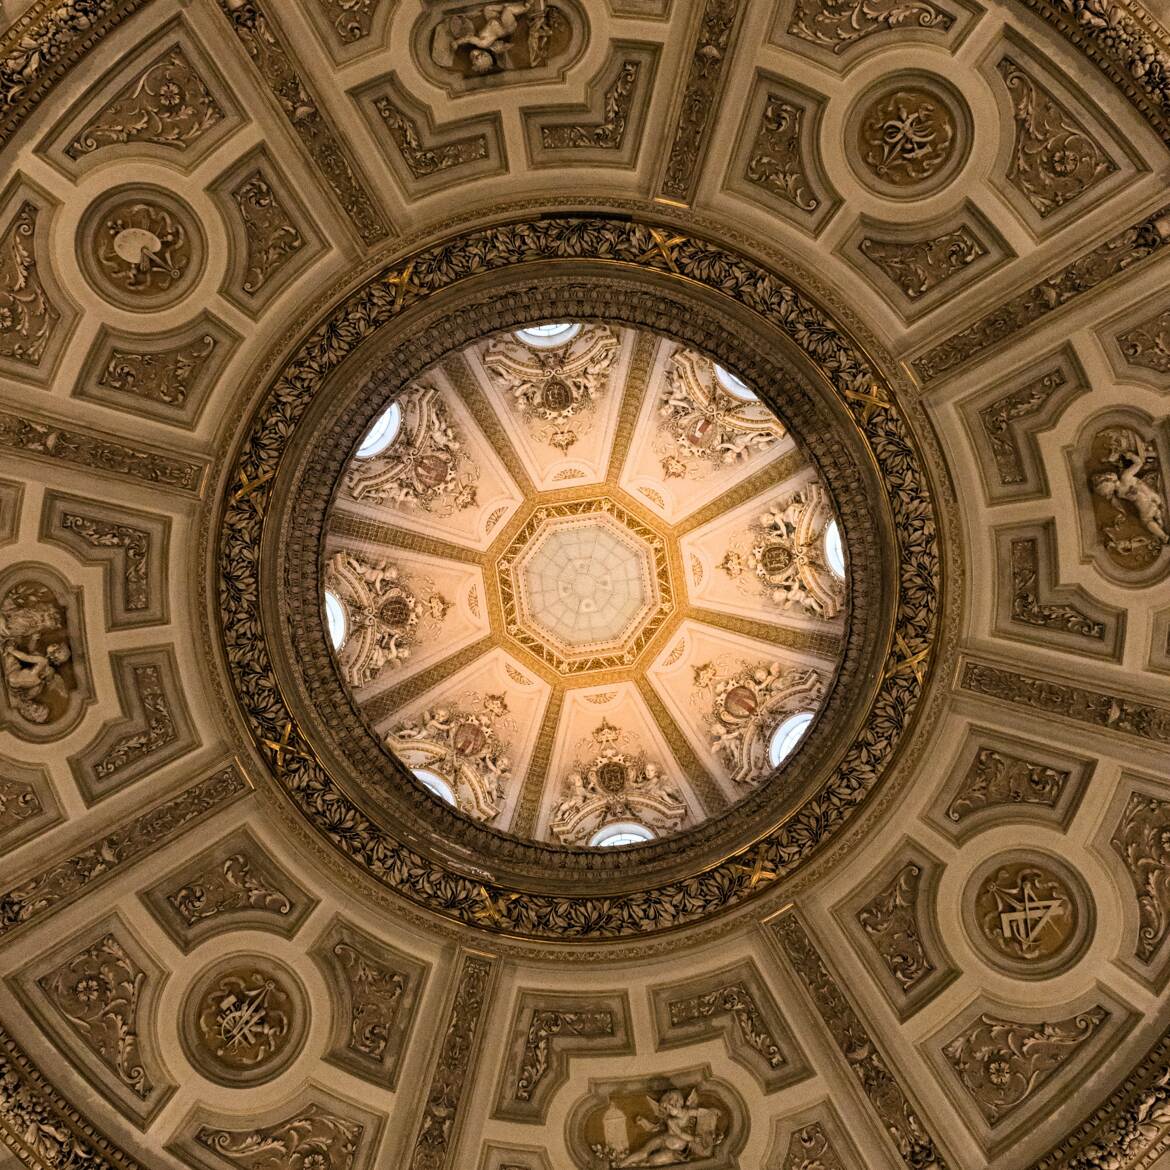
(1126, 484)
(31, 674)
(492, 40)
(685, 1131)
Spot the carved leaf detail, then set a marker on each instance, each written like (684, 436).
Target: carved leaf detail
(1054, 159)
(1142, 841)
(610, 131)
(312, 1139)
(27, 316)
(272, 237)
(997, 777)
(98, 993)
(890, 921)
(167, 104)
(921, 265)
(1002, 1063)
(998, 417)
(423, 160)
(837, 24)
(776, 161)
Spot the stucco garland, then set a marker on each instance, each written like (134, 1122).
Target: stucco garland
(290, 754)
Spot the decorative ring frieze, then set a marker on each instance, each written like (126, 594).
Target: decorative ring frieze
(680, 261)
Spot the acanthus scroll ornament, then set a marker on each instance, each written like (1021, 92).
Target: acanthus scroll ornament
(28, 317)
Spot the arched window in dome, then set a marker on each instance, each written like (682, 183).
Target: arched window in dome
(550, 335)
(834, 549)
(785, 738)
(336, 620)
(734, 386)
(382, 433)
(623, 833)
(435, 784)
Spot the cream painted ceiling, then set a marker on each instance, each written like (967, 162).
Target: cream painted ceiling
(544, 586)
(974, 975)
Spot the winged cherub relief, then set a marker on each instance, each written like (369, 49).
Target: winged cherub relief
(495, 38)
(36, 652)
(684, 1131)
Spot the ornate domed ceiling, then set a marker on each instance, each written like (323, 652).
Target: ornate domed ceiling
(581, 583)
(441, 439)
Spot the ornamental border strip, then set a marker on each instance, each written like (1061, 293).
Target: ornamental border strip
(290, 754)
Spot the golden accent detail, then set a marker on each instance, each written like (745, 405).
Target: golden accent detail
(917, 664)
(761, 871)
(633, 396)
(515, 675)
(703, 784)
(248, 486)
(527, 806)
(663, 246)
(284, 746)
(823, 645)
(875, 398)
(471, 395)
(602, 697)
(343, 523)
(402, 284)
(394, 698)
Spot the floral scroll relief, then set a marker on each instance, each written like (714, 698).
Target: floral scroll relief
(28, 318)
(168, 104)
(1124, 471)
(425, 466)
(555, 391)
(784, 555)
(837, 24)
(611, 781)
(384, 614)
(748, 703)
(1054, 159)
(468, 744)
(1002, 1063)
(702, 426)
(310, 1139)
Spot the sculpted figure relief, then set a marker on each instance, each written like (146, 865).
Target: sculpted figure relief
(1125, 475)
(555, 391)
(786, 557)
(36, 652)
(468, 744)
(616, 784)
(703, 427)
(500, 38)
(747, 705)
(424, 467)
(670, 1128)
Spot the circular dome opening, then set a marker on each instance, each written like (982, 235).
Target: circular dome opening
(785, 738)
(550, 335)
(734, 386)
(623, 833)
(835, 549)
(435, 784)
(336, 620)
(382, 433)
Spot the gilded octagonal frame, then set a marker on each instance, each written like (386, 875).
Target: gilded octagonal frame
(586, 268)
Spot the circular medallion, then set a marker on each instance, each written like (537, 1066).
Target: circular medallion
(910, 139)
(1030, 915)
(583, 586)
(141, 248)
(244, 1020)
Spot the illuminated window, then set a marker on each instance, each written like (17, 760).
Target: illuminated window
(621, 834)
(787, 736)
(734, 386)
(335, 617)
(834, 549)
(435, 784)
(382, 433)
(549, 336)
